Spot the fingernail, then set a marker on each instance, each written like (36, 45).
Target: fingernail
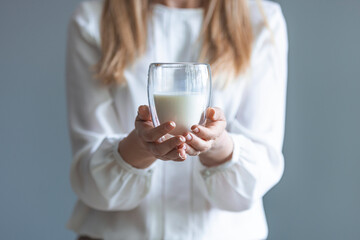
(171, 125)
(196, 130)
(142, 108)
(188, 137)
(182, 139)
(181, 156)
(213, 113)
(161, 139)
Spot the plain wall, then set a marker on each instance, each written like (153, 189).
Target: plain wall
(35, 194)
(319, 195)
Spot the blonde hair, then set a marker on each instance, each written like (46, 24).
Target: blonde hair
(226, 37)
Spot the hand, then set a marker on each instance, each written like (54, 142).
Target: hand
(156, 140)
(211, 142)
(146, 143)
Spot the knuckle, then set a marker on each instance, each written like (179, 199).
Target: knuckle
(146, 136)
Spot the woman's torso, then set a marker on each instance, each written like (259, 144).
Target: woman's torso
(174, 207)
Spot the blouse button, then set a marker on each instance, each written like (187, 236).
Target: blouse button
(207, 173)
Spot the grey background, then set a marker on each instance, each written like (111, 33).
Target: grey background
(319, 195)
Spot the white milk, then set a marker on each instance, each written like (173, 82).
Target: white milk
(184, 109)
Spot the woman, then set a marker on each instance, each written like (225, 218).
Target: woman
(207, 184)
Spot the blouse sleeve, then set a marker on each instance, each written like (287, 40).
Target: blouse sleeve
(257, 131)
(99, 176)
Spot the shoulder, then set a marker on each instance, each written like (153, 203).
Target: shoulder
(271, 10)
(268, 15)
(269, 27)
(86, 18)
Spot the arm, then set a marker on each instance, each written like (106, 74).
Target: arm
(256, 162)
(99, 175)
(111, 169)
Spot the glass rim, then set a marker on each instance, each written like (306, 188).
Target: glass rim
(177, 64)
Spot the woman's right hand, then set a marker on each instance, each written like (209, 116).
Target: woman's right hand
(146, 144)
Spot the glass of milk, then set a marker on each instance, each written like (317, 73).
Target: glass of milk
(179, 92)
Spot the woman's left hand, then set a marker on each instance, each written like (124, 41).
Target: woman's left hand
(211, 142)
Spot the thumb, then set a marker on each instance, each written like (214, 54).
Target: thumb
(144, 113)
(214, 114)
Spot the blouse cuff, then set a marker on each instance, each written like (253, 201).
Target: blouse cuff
(126, 166)
(209, 171)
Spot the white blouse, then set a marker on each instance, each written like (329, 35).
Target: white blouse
(174, 200)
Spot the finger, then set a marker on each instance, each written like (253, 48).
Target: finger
(143, 119)
(214, 126)
(210, 132)
(175, 155)
(160, 149)
(199, 144)
(191, 151)
(215, 114)
(151, 134)
(154, 134)
(143, 113)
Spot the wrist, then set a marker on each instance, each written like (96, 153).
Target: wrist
(133, 152)
(220, 153)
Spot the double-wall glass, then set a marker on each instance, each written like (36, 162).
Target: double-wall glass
(179, 92)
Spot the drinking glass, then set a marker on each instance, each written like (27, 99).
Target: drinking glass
(179, 92)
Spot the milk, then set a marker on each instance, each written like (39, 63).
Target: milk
(185, 109)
